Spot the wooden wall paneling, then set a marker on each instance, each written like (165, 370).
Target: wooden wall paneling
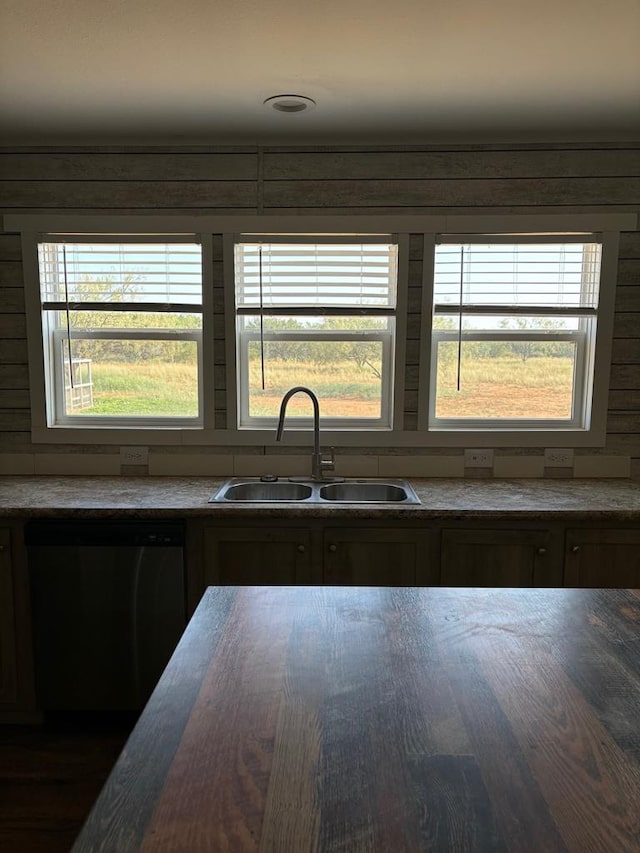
(371, 165)
(627, 298)
(129, 166)
(410, 402)
(626, 444)
(19, 442)
(629, 271)
(626, 351)
(624, 400)
(411, 377)
(627, 325)
(623, 422)
(128, 195)
(444, 179)
(15, 419)
(625, 376)
(14, 376)
(349, 194)
(11, 398)
(630, 244)
(12, 325)
(414, 325)
(13, 352)
(12, 300)
(11, 274)
(10, 247)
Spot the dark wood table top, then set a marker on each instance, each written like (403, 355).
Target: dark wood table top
(383, 719)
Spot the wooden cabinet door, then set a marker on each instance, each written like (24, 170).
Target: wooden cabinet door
(501, 558)
(601, 558)
(7, 623)
(249, 556)
(378, 557)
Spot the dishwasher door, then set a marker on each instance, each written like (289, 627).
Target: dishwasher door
(109, 606)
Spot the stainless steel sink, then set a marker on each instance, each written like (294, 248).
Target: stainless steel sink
(316, 491)
(365, 492)
(264, 492)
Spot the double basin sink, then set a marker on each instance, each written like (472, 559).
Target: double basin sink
(318, 492)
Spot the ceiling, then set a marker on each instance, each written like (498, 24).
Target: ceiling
(89, 72)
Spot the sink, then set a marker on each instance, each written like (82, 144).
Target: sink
(316, 492)
(257, 490)
(367, 492)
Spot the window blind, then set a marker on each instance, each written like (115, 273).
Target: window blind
(315, 275)
(104, 273)
(522, 275)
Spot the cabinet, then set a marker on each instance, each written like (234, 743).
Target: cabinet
(8, 667)
(500, 558)
(257, 555)
(378, 557)
(608, 558)
(363, 556)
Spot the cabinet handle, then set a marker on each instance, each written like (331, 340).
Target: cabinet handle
(333, 547)
(542, 551)
(575, 549)
(301, 549)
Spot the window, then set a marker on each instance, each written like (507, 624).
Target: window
(122, 330)
(319, 312)
(514, 332)
(458, 331)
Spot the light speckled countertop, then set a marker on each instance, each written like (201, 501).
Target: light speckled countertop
(171, 497)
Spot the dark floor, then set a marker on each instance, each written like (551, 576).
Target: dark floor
(50, 775)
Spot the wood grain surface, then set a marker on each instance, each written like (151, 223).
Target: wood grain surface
(388, 719)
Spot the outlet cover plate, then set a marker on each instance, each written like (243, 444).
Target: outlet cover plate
(482, 458)
(134, 455)
(558, 457)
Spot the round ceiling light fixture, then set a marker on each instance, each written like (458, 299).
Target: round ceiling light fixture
(290, 103)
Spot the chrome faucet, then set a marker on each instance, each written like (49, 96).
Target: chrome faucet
(318, 463)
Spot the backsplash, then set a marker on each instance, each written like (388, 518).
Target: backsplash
(216, 464)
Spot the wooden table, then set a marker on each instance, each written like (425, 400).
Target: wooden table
(386, 719)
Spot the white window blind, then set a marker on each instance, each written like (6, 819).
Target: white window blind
(554, 275)
(160, 275)
(280, 275)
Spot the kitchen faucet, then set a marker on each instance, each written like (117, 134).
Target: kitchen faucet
(318, 464)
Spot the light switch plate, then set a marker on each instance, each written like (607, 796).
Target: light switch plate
(134, 455)
(482, 458)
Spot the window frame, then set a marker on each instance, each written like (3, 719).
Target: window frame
(49, 424)
(497, 425)
(392, 339)
(214, 230)
(587, 427)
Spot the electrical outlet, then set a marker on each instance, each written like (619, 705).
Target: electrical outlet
(558, 457)
(134, 455)
(478, 458)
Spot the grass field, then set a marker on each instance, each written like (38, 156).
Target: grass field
(505, 387)
(144, 388)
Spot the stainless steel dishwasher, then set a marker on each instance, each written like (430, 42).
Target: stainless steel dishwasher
(108, 608)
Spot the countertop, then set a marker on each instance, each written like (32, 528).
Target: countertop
(331, 719)
(164, 497)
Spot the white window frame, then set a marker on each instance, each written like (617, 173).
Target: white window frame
(49, 421)
(239, 365)
(609, 224)
(579, 338)
(57, 409)
(587, 424)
